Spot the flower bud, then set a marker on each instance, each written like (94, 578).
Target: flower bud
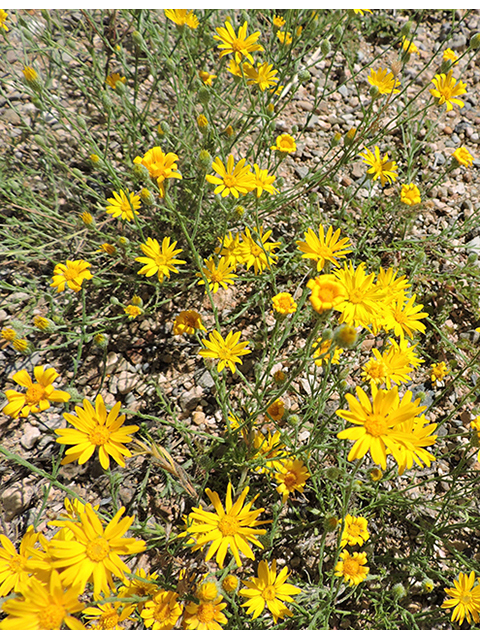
(293, 420)
(40, 140)
(138, 39)
(407, 27)
(203, 95)
(202, 122)
(333, 473)
(335, 141)
(106, 100)
(147, 198)
(428, 585)
(238, 211)
(345, 336)
(140, 172)
(94, 159)
(338, 33)
(330, 523)
(100, 340)
(120, 88)
(398, 591)
(350, 136)
(374, 92)
(81, 122)
(270, 108)
(204, 160)
(475, 41)
(327, 334)
(304, 75)
(325, 47)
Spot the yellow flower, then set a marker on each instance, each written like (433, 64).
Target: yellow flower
(182, 17)
(231, 248)
(162, 611)
(108, 248)
(215, 276)
(405, 318)
(8, 334)
(94, 427)
(159, 261)
(38, 395)
(21, 345)
(124, 205)
(410, 194)
(323, 352)
(384, 80)
(393, 365)
(206, 77)
(187, 322)
(438, 372)
(269, 590)
(206, 615)
(276, 409)
(260, 255)
(108, 616)
(323, 248)
(42, 324)
(284, 37)
(263, 76)
(327, 292)
(361, 11)
(86, 218)
(278, 21)
(235, 179)
(160, 166)
(408, 46)
(207, 590)
(463, 156)
(92, 552)
(446, 90)
(284, 144)
(291, 476)
(378, 423)
(354, 531)
(362, 303)
(113, 78)
(71, 275)
(269, 448)
(263, 182)
(43, 607)
(464, 597)
(132, 311)
(283, 303)
(202, 121)
(238, 45)
(450, 56)
(232, 527)
(227, 351)
(16, 567)
(384, 169)
(230, 583)
(419, 436)
(3, 19)
(29, 73)
(352, 567)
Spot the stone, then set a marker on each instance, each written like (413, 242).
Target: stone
(30, 437)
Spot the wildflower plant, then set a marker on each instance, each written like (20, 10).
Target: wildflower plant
(240, 290)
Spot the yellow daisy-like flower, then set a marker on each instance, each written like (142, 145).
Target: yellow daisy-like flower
(92, 553)
(3, 19)
(278, 22)
(323, 248)
(325, 353)
(285, 37)
(450, 56)
(182, 17)
(377, 423)
(43, 607)
(405, 317)
(464, 599)
(269, 448)
(408, 46)
(362, 302)
(21, 345)
(38, 395)
(107, 248)
(384, 169)
(420, 435)
(238, 45)
(438, 371)
(232, 527)
(230, 583)
(235, 179)
(41, 323)
(207, 78)
(410, 194)
(384, 80)
(351, 567)
(291, 476)
(284, 304)
(276, 409)
(259, 256)
(16, 567)
(463, 157)
(8, 334)
(113, 78)
(327, 292)
(139, 585)
(206, 615)
(29, 73)
(284, 144)
(71, 275)
(393, 365)
(162, 611)
(160, 166)
(263, 182)
(123, 205)
(94, 427)
(354, 531)
(159, 261)
(264, 76)
(269, 590)
(187, 321)
(231, 248)
(226, 350)
(216, 275)
(132, 311)
(108, 616)
(446, 90)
